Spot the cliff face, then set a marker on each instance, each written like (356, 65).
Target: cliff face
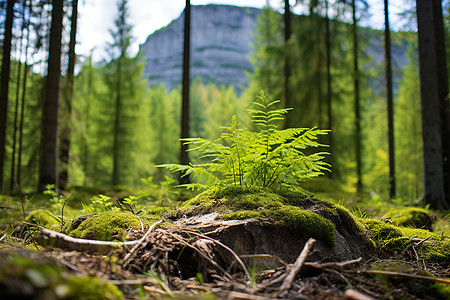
(221, 39)
(221, 42)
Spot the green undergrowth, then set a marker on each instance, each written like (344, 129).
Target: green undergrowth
(389, 238)
(106, 226)
(295, 210)
(24, 275)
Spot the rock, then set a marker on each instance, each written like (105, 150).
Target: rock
(221, 38)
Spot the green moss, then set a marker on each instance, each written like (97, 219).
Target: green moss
(390, 237)
(91, 288)
(106, 226)
(380, 231)
(411, 216)
(44, 218)
(301, 221)
(24, 275)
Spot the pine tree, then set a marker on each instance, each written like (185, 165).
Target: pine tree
(5, 84)
(48, 169)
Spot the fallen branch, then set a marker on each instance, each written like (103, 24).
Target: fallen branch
(409, 276)
(356, 295)
(333, 265)
(287, 283)
(61, 240)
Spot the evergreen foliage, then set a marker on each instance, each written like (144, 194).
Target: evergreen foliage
(265, 158)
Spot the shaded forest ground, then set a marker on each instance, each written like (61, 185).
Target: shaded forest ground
(193, 250)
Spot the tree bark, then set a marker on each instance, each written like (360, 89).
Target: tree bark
(329, 88)
(22, 104)
(16, 107)
(65, 140)
(4, 85)
(184, 157)
(287, 66)
(431, 107)
(48, 167)
(357, 100)
(390, 102)
(442, 74)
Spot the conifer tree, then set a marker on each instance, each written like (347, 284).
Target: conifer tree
(389, 94)
(48, 169)
(185, 114)
(4, 85)
(68, 95)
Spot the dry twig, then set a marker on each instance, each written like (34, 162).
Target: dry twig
(287, 283)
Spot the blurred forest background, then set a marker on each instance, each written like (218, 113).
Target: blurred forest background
(73, 122)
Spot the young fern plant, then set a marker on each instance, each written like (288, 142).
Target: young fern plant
(265, 158)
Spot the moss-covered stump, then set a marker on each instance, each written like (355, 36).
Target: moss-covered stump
(30, 275)
(280, 224)
(410, 217)
(106, 226)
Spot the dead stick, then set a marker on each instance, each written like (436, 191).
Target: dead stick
(333, 265)
(287, 283)
(356, 295)
(410, 276)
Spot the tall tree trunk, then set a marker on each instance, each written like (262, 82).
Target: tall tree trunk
(184, 157)
(442, 74)
(49, 138)
(22, 105)
(16, 108)
(357, 100)
(68, 95)
(434, 193)
(4, 85)
(287, 66)
(118, 105)
(329, 89)
(390, 102)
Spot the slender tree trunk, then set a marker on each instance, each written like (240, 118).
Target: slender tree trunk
(49, 138)
(184, 157)
(287, 65)
(117, 123)
(22, 105)
(16, 109)
(390, 102)
(329, 89)
(4, 85)
(357, 100)
(434, 193)
(64, 149)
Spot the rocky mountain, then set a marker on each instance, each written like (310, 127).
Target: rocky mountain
(221, 40)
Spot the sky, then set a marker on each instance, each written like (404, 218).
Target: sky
(146, 16)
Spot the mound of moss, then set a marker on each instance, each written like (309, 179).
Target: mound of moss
(387, 237)
(105, 226)
(28, 276)
(44, 218)
(295, 210)
(410, 217)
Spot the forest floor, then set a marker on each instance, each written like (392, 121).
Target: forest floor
(191, 254)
